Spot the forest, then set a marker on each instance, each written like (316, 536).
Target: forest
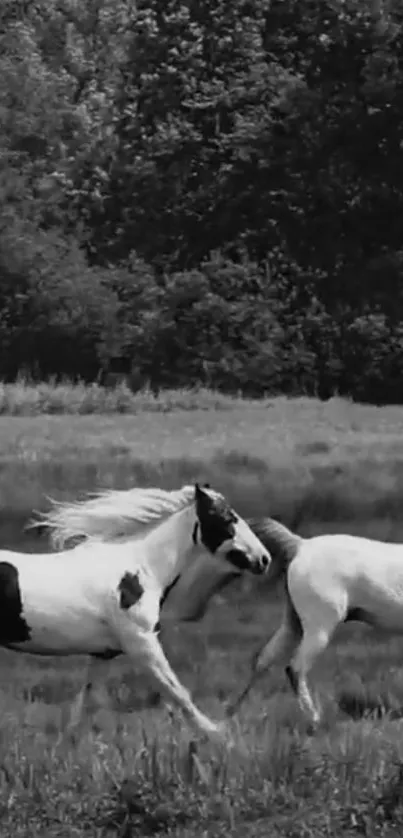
(203, 193)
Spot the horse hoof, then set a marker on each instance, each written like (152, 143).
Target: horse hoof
(218, 733)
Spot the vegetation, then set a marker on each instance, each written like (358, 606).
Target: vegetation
(332, 466)
(134, 775)
(199, 202)
(302, 460)
(203, 194)
(25, 398)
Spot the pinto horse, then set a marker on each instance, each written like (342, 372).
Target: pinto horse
(102, 597)
(329, 579)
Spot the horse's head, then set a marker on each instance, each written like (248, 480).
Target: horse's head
(229, 547)
(227, 536)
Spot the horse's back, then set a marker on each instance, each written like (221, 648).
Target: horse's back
(57, 603)
(345, 572)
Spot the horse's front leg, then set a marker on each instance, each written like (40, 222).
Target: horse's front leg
(144, 648)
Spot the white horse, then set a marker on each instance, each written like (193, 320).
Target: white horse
(102, 597)
(329, 579)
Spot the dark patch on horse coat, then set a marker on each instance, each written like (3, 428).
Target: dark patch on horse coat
(217, 520)
(13, 627)
(107, 655)
(168, 589)
(166, 593)
(293, 678)
(360, 615)
(294, 620)
(131, 590)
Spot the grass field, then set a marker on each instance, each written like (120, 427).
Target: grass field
(332, 466)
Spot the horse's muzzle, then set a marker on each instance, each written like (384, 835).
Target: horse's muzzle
(261, 566)
(240, 560)
(264, 564)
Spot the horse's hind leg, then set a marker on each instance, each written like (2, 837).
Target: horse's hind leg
(279, 648)
(314, 641)
(88, 698)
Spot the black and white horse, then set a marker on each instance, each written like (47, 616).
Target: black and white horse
(103, 596)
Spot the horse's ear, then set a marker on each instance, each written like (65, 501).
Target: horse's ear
(201, 497)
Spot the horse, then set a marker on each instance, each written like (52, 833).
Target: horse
(101, 597)
(328, 580)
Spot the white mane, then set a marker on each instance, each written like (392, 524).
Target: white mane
(113, 514)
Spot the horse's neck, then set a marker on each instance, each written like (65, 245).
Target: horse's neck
(169, 545)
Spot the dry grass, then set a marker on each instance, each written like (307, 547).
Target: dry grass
(24, 398)
(125, 775)
(299, 459)
(326, 466)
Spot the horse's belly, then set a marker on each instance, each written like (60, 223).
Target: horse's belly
(53, 609)
(384, 604)
(65, 633)
(390, 619)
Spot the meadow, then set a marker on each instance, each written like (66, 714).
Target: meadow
(331, 466)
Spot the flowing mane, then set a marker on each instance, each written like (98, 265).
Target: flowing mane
(112, 514)
(279, 540)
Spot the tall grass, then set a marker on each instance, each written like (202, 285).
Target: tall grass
(24, 398)
(315, 466)
(143, 774)
(310, 464)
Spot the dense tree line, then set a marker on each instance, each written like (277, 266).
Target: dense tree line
(203, 192)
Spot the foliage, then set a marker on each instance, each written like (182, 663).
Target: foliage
(130, 770)
(203, 194)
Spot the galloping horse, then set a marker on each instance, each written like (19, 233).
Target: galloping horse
(329, 579)
(102, 597)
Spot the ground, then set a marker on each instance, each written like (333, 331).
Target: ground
(333, 466)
